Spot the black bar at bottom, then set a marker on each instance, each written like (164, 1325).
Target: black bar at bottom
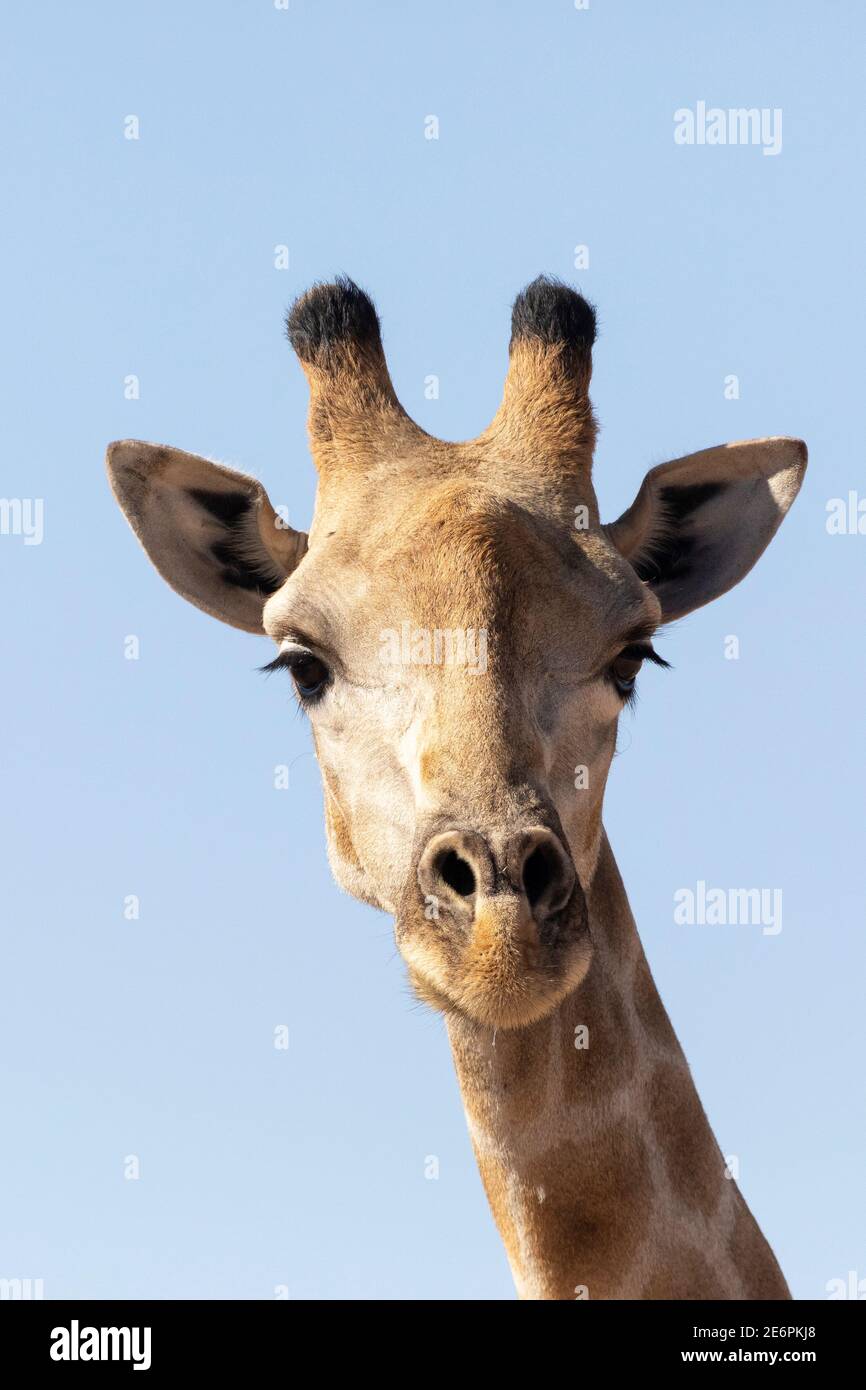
(216, 1339)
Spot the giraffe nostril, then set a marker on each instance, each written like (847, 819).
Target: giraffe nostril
(457, 873)
(463, 871)
(457, 867)
(538, 872)
(541, 866)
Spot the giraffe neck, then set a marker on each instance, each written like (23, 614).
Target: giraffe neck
(602, 1173)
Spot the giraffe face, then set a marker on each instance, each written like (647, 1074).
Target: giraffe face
(463, 665)
(461, 630)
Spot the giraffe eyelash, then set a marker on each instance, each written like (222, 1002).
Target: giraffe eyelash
(279, 663)
(644, 651)
(639, 652)
(294, 659)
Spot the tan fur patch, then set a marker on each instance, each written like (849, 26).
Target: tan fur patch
(759, 1272)
(684, 1273)
(595, 1213)
(694, 1165)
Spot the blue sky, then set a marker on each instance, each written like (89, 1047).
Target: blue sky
(154, 257)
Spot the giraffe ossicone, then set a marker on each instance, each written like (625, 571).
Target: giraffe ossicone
(451, 795)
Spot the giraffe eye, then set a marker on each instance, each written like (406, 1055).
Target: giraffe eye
(309, 674)
(625, 669)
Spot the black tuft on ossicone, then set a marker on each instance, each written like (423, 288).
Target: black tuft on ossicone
(555, 313)
(328, 316)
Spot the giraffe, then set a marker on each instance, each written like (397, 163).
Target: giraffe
(450, 795)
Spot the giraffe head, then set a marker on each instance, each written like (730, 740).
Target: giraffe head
(461, 629)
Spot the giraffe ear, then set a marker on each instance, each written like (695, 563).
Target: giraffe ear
(211, 532)
(699, 523)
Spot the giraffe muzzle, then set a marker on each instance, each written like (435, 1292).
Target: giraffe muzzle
(499, 931)
(525, 880)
